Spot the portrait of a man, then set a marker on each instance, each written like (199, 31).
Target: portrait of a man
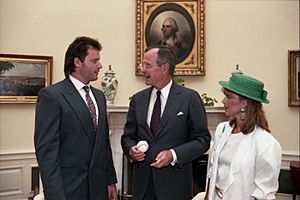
(169, 38)
(173, 28)
(178, 25)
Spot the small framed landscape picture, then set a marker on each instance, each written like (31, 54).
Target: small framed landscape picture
(22, 76)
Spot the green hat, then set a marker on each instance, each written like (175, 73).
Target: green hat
(246, 86)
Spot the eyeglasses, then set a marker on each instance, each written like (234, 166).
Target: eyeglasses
(147, 65)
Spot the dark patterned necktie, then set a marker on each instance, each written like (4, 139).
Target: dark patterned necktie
(155, 118)
(91, 105)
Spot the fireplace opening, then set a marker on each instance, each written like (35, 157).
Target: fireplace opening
(35, 174)
(35, 183)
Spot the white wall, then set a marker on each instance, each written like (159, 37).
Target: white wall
(254, 34)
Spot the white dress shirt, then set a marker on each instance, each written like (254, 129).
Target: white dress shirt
(79, 86)
(226, 157)
(163, 100)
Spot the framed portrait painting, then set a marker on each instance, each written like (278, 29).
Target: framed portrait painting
(22, 76)
(178, 24)
(294, 74)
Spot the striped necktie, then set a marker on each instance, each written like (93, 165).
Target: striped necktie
(91, 106)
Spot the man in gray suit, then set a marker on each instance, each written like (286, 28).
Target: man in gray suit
(180, 135)
(71, 131)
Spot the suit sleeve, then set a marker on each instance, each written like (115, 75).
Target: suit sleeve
(212, 155)
(46, 140)
(129, 136)
(267, 168)
(111, 172)
(200, 137)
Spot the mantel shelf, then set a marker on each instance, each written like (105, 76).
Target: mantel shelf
(124, 109)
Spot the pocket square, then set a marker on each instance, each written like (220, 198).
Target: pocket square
(180, 113)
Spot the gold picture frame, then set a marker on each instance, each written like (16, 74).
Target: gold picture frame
(294, 75)
(189, 17)
(22, 76)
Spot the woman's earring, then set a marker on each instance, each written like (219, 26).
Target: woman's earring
(243, 113)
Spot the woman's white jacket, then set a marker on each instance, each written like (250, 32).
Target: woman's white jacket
(254, 169)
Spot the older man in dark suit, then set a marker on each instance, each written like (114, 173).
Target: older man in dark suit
(71, 131)
(172, 119)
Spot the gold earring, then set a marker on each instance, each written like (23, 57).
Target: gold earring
(243, 113)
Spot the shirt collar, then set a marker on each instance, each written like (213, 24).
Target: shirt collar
(78, 84)
(165, 91)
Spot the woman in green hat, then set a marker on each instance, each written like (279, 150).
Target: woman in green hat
(245, 160)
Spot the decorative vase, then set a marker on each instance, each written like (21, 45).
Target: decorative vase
(109, 84)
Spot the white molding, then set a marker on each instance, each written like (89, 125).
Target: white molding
(13, 177)
(124, 109)
(9, 167)
(117, 109)
(283, 196)
(18, 154)
(291, 153)
(214, 109)
(287, 157)
(23, 159)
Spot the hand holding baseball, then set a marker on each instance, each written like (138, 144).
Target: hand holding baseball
(142, 146)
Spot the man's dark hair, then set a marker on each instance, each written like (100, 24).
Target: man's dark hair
(165, 54)
(78, 49)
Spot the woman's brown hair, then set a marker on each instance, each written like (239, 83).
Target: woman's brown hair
(254, 115)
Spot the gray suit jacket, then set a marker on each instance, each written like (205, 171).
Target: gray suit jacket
(183, 128)
(75, 161)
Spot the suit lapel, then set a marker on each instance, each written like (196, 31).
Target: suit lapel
(237, 158)
(143, 104)
(173, 102)
(222, 140)
(101, 110)
(79, 107)
(101, 123)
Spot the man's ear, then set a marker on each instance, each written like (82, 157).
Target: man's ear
(77, 62)
(165, 67)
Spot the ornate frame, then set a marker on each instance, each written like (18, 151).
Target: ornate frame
(294, 78)
(22, 76)
(190, 15)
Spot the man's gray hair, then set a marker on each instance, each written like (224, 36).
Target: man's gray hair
(165, 55)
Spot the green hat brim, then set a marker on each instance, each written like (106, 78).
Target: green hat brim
(227, 86)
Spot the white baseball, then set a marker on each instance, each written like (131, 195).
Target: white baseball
(142, 146)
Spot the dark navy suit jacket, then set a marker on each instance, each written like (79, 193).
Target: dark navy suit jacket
(183, 128)
(75, 161)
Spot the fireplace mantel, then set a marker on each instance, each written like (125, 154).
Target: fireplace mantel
(124, 109)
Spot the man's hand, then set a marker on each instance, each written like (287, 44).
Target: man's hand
(112, 192)
(136, 154)
(163, 159)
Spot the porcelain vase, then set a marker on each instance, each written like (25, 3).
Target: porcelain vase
(109, 84)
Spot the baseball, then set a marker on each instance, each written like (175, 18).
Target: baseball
(142, 146)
